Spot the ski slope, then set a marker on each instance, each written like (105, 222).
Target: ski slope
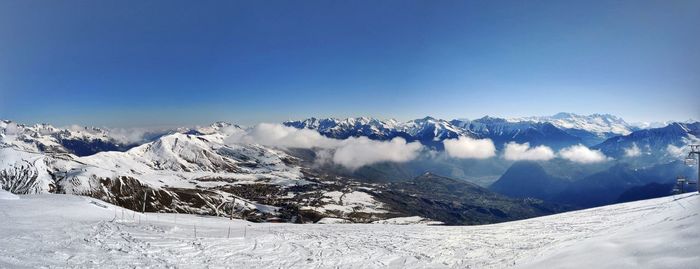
(49, 230)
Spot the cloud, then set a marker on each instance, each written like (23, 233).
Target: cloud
(582, 154)
(351, 153)
(675, 151)
(682, 150)
(633, 151)
(517, 152)
(356, 152)
(129, 136)
(278, 135)
(466, 147)
(11, 128)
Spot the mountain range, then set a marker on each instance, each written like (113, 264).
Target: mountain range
(199, 170)
(560, 130)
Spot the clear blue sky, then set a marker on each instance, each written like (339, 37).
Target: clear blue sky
(120, 63)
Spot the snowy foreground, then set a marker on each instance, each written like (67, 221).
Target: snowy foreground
(73, 231)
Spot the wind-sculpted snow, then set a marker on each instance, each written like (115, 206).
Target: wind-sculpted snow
(83, 232)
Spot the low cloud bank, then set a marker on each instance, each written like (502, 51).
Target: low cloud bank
(10, 128)
(633, 151)
(360, 151)
(469, 148)
(351, 153)
(582, 154)
(129, 136)
(356, 152)
(278, 135)
(518, 152)
(677, 152)
(682, 150)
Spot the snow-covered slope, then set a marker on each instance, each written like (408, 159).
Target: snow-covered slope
(84, 232)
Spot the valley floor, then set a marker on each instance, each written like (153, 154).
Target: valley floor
(73, 231)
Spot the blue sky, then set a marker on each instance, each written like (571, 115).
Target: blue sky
(123, 63)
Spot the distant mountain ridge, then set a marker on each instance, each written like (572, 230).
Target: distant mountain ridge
(502, 131)
(429, 131)
(557, 131)
(596, 123)
(653, 143)
(529, 179)
(591, 129)
(81, 141)
(599, 131)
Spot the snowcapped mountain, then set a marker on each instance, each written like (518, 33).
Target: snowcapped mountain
(592, 129)
(197, 171)
(502, 131)
(183, 172)
(429, 128)
(349, 127)
(81, 141)
(596, 123)
(656, 143)
(429, 131)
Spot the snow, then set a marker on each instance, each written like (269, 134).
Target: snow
(332, 221)
(408, 220)
(348, 202)
(72, 231)
(5, 195)
(596, 123)
(175, 160)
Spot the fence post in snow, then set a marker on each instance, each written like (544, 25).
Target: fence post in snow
(145, 197)
(233, 206)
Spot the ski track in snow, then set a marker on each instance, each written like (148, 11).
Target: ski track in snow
(66, 231)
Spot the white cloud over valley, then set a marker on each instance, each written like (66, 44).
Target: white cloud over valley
(582, 154)
(360, 151)
(469, 148)
(352, 153)
(633, 151)
(518, 152)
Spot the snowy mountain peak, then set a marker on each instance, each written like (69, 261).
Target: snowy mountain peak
(596, 123)
(348, 127)
(438, 128)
